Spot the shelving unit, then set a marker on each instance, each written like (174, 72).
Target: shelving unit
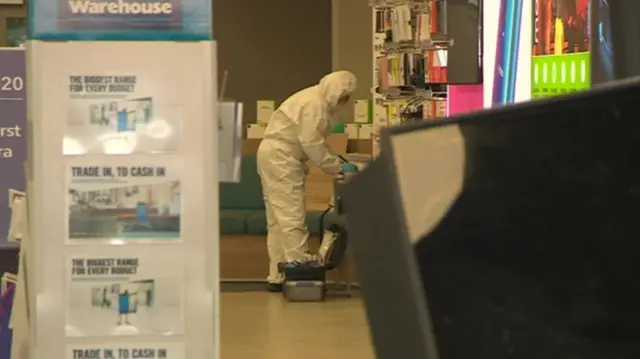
(410, 62)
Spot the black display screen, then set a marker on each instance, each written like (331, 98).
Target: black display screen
(605, 43)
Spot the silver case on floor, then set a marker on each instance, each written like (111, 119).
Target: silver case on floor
(304, 291)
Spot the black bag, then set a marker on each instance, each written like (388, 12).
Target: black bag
(338, 246)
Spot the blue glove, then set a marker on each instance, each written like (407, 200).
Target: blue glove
(349, 168)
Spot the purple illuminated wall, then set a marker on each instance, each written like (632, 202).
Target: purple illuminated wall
(13, 127)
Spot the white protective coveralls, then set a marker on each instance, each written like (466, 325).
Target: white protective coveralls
(296, 134)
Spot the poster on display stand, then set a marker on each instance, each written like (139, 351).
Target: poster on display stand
(116, 201)
(13, 133)
(120, 114)
(124, 179)
(133, 295)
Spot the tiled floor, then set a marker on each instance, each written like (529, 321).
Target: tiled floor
(258, 325)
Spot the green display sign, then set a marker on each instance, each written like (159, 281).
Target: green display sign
(561, 62)
(560, 74)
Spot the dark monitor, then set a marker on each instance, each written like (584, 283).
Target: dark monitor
(462, 21)
(615, 36)
(508, 233)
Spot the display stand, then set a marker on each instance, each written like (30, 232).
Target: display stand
(123, 180)
(409, 61)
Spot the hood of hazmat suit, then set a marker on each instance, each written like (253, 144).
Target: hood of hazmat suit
(302, 123)
(297, 133)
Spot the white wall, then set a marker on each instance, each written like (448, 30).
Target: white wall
(352, 45)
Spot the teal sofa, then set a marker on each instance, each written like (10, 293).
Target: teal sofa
(242, 209)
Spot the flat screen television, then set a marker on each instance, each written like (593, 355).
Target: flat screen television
(463, 24)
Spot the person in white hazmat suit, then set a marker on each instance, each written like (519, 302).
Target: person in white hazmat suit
(296, 133)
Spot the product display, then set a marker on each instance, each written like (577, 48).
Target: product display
(410, 66)
(561, 59)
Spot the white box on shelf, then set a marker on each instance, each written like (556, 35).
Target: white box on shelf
(424, 28)
(365, 132)
(434, 109)
(394, 114)
(402, 15)
(361, 111)
(256, 130)
(379, 113)
(264, 111)
(441, 108)
(378, 44)
(352, 129)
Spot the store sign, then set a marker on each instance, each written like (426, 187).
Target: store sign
(120, 7)
(92, 14)
(121, 20)
(13, 136)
